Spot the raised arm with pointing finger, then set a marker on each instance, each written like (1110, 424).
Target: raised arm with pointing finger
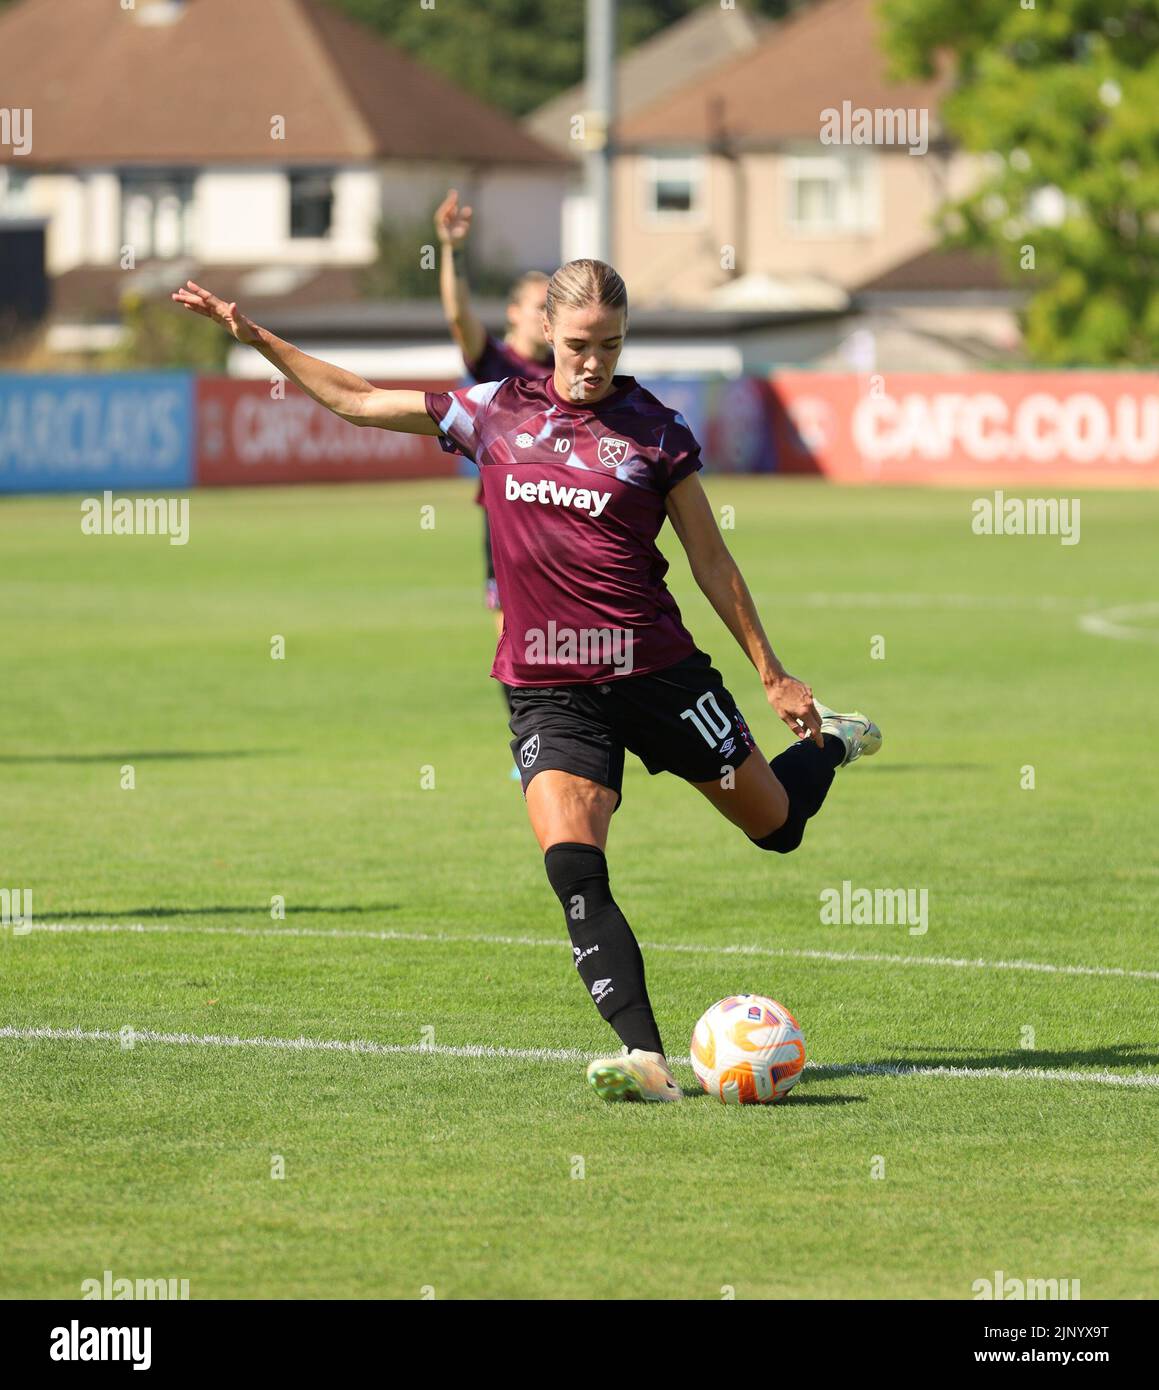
(343, 392)
(453, 224)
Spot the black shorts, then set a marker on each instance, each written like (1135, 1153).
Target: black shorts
(681, 720)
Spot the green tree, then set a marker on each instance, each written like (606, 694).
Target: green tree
(516, 54)
(402, 268)
(1062, 96)
(155, 336)
(406, 265)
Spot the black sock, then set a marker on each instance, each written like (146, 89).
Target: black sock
(806, 773)
(606, 953)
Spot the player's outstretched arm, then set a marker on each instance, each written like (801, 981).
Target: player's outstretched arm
(722, 583)
(453, 224)
(343, 392)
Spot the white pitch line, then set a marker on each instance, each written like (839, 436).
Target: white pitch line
(984, 602)
(1109, 622)
(546, 1054)
(145, 1035)
(1121, 622)
(840, 957)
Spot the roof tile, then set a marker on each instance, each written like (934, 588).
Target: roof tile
(105, 89)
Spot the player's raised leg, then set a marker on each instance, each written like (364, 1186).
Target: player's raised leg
(826, 740)
(771, 802)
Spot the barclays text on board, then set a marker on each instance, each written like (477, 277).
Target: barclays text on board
(67, 433)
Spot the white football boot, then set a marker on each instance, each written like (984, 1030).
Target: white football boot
(860, 735)
(634, 1075)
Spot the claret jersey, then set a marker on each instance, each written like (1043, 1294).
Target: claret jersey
(575, 497)
(499, 359)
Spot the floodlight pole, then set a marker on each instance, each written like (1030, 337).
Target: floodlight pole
(600, 66)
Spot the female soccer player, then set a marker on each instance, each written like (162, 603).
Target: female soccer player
(579, 471)
(523, 352)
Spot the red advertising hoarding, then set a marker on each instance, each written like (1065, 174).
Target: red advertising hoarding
(245, 435)
(1063, 428)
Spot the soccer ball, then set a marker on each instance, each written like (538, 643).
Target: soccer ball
(748, 1050)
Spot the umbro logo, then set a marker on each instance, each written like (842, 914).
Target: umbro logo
(600, 990)
(561, 444)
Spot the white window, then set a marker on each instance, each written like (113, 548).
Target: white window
(14, 197)
(157, 213)
(674, 189)
(831, 194)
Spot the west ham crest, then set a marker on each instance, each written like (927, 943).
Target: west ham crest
(612, 452)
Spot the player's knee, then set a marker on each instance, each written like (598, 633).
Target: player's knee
(784, 839)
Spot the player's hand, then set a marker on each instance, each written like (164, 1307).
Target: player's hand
(201, 301)
(452, 222)
(793, 701)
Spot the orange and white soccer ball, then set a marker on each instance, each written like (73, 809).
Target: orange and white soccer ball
(748, 1050)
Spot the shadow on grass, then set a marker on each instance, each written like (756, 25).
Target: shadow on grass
(879, 767)
(114, 914)
(796, 1097)
(156, 755)
(799, 1097)
(1017, 1059)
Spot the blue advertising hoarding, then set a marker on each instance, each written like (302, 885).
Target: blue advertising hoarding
(686, 395)
(86, 433)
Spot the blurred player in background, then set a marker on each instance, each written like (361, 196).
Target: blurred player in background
(522, 352)
(580, 470)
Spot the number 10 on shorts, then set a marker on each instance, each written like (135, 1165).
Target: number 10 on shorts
(708, 719)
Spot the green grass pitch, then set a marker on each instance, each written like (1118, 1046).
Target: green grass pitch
(423, 914)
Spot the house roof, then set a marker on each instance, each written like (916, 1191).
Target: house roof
(379, 320)
(819, 57)
(105, 86)
(685, 50)
(327, 301)
(95, 292)
(939, 270)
